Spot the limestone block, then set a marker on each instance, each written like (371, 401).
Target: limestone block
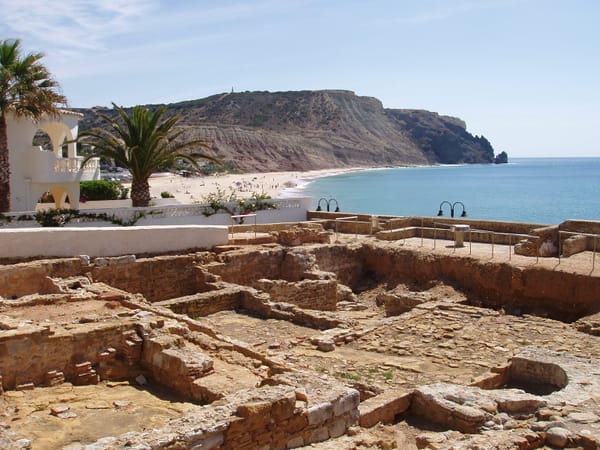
(214, 441)
(468, 408)
(326, 344)
(558, 437)
(514, 401)
(117, 260)
(574, 245)
(346, 403)
(318, 414)
(254, 409)
(446, 405)
(297, 441)
(319, 435)
(337, 428)
(284, 408)
(384, 407)
(396, 304)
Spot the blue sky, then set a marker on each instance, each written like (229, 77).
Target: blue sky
(523, 73)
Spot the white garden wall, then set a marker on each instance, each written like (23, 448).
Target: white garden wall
(107, 241)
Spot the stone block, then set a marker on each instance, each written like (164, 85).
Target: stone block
(337, 428)
(319, 435)
(297, 441)
(296, 423)
(346, 403)
(284, 408)
(384, 408)
(320, 413)
(208, 443)
(254, 409)
(573, 245)
(396, 304)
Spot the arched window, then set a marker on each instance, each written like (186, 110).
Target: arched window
(42, 139)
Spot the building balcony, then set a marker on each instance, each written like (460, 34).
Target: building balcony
(45, 167)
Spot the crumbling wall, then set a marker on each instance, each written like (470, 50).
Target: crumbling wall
(554, 293)
(245, 266)
(172, 363)
(28, 354)
(294, 410)
(310, 294)
(32, 278)
(344, 261)
(158, 278)
(201, 305)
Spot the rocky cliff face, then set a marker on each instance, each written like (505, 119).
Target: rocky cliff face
(304, 130)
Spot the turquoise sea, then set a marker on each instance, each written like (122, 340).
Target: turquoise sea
(535, 190)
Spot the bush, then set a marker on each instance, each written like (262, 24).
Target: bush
(166, 194)
(103, 190)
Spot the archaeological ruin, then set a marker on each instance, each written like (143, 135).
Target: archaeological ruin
(323, 334)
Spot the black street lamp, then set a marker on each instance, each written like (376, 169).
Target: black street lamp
(327, 203)
(452, 206)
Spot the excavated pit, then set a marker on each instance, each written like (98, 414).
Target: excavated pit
(270, 344)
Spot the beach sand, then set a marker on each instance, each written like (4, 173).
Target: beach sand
(193, 189)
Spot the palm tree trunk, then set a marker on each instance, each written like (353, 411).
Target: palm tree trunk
(4, 167)
(140, 192)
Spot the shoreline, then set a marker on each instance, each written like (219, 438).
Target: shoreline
(189, 190)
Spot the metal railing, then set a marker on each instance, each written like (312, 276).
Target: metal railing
(574, 233)
(492, 234)
(345, 218)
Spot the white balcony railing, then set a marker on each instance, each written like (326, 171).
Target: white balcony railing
(44, 166)
(72, 165)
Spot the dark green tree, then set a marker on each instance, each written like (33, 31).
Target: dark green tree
(142, 142)
(26, 90)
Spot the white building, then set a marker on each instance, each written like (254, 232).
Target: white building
(34, 171)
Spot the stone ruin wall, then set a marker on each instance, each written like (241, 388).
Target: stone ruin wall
(564, 295)
(309, 294)
(561, 294)
(157, 278)
(30, 354)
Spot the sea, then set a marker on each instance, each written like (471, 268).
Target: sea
(532, 190)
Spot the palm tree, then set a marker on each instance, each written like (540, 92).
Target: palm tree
(143, 144)
(26, 90)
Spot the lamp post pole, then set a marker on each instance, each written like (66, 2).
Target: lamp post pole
(327, 204)
(452, 208)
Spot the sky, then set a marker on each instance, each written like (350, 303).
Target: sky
(523, 73)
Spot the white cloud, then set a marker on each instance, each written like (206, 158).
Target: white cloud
(69, 25)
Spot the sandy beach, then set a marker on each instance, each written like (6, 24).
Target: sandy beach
(194, 189)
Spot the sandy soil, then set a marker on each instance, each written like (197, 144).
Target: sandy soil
(194, 189)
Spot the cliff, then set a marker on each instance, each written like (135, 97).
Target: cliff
(303, 130)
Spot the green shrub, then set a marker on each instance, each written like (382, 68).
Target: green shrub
(166, 194)
(103, 190)
(256, 202)
(217, 201)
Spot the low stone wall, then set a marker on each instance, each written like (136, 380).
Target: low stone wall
(28, 354)
(174, 365)
(33, 277)
(310, 294)
(382, 223)
(294, 410)
(245, 267)
(555, 293)
(157, 278)
(107, 241)
(206, 303)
